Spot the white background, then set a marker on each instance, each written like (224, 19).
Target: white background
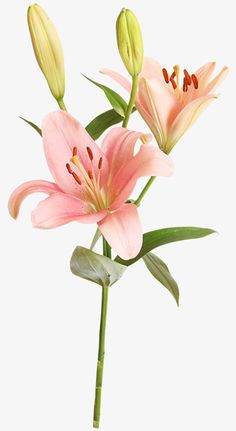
(165, 368)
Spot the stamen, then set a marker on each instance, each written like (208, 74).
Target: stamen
(100, 163)
(172, 80)
(185, 85)
(69, 168)
(75, 151)
(77, 179)
(166, 76)
(195, 81)
(90, 175)
(174, 85)
(74, 175)
(90, 153)
(187, 77)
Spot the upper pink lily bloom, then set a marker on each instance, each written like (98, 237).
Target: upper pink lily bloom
(168, 105)
(92, 184)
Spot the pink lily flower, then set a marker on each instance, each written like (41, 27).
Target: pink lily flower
(167, 106)
(92, 184)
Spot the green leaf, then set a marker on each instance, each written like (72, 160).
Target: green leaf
(95, 267)
(95, 239)
(32, 125)
(102, 122)
(116, 101)
(161, 272)
(159, 237)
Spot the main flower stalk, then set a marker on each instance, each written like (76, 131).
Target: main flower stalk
(101, 348)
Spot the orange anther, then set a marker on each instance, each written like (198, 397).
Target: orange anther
(195, 81)
(90, 153)
(174, 85)
(69, 168)
(185, 85)
(166, 76)
(90, 175)
(187, 77)
(100, 163)
(77, 179)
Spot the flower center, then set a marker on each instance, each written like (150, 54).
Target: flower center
(173, 79)
(89, 178)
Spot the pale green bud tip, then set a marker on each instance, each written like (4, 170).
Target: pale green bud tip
(129, 41)
(47, 48)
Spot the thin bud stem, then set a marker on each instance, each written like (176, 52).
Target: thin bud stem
(131, 101)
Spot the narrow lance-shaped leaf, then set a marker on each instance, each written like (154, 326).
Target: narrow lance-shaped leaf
(116, 101)
(161, 272)
(95, 267)
(159, 237)
(102, 122)
(35, 127)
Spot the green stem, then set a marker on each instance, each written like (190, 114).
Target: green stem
(144, 191)
(131, 101)
(101, 348)
(62, 104)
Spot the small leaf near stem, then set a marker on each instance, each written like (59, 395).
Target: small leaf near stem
(101, 349)
(131, 101)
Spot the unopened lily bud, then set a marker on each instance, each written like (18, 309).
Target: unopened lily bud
(48, 50)
(130, 42)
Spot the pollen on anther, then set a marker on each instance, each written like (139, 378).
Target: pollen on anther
(77, 179)
(75, 151)
(174, 85)
(69, 168)
(90, 153)
(100, 163)
(187, 77)
(90, 175)
(195, 81)
(166, 76)
(185, 85)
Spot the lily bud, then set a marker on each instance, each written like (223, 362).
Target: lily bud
(130, 42)
(48, 50)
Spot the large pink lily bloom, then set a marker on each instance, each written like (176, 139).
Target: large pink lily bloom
(168, 106)
(92, 184)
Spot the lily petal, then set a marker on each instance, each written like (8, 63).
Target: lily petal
(122, 229)
(118, 146)
(60, 209)
(211, 87)
(61, 133)
(125, 83)
(186, 118)
(149, 161)
(25, 189)
(160, 103)
(203, 75)
(151, 69)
